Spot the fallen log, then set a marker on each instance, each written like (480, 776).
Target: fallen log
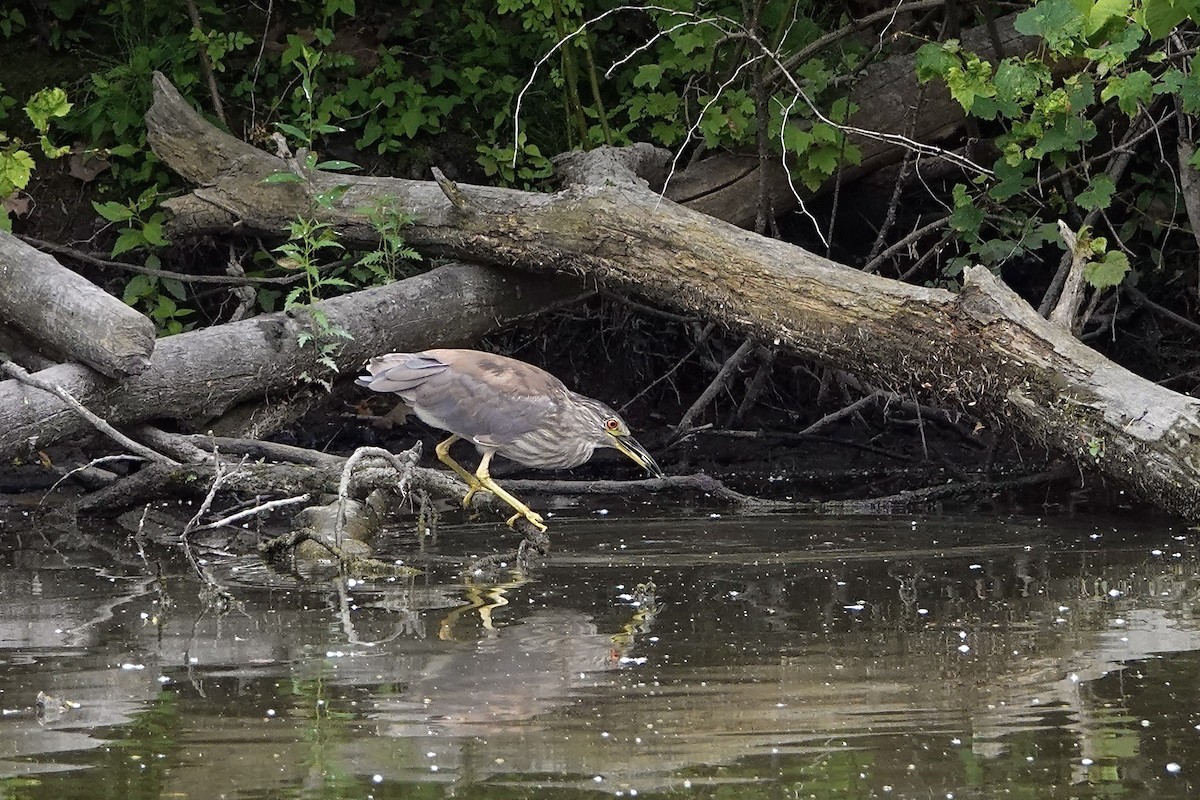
(49, 303)
(200, 374)
(983, 349)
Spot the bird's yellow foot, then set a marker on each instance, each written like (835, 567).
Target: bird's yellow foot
(532, 517)
(471, 490)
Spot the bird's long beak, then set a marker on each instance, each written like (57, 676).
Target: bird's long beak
(630, 447)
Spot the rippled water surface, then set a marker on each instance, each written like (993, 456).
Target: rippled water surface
(773, 657)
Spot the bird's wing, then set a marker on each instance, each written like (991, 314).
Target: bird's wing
(400, 372)
(486, 398)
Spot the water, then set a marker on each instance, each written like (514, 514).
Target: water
(901, 657)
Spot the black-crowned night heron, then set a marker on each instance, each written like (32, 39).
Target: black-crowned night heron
(505, 407)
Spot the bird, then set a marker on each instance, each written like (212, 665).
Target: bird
(505, 407)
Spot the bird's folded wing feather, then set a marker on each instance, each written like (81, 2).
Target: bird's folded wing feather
(488, 407)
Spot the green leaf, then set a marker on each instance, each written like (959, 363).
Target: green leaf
(1188, 89)
(1105, 11)
(129, 239)
(796, 139)
(337, 165)
(688, 40)
(283, 177)
(137, 288)
(1042, 234)
(970, 81)
(649, 76)
(15, 168)
(123, 150)
(995, 251)
(45, 106)
(1058, 22)
(1011, 179)
(1018, 83)
(267, 298)
(934, 60)
(1098, 195)
(1160, 17)
(52, 151)
(293, 131)
(965, 218)
(410, 121)
(164, 308)
(371, 133)
(175, 287)
(1132, 90)
(823, 160)
(153, 232)
(1116, 52)
(1108, 272)
(1066, 134)
(112, 211)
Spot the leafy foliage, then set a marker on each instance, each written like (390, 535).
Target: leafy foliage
(16, 162)
(1045, 128)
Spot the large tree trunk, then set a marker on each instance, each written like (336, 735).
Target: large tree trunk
(984, 348)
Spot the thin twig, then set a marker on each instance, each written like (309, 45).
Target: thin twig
(220, 476)
(841, 413)
(718, 383)
(917, 234)
(250, 512)
(93, 463)
(1136, 295)
(854, 27)
(645, 309)
(19, 372)
(95, 261)
(206, 63)
(704, 334)
(1123, 154)
(755, 387)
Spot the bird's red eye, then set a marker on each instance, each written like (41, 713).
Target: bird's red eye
(612, 424)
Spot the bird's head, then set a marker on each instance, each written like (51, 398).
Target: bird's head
(610, 430)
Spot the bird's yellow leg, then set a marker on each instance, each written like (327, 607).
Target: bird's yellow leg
(486, 482)
(443, 454)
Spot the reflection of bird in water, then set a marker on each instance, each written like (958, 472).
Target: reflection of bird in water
(483, 597)
(486, 597)
(644, 601)
(505, 407)
(523, 670)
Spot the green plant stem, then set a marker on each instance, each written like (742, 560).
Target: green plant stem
(205, 63)
(781, 28)
(594, 80)
(571, 76)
